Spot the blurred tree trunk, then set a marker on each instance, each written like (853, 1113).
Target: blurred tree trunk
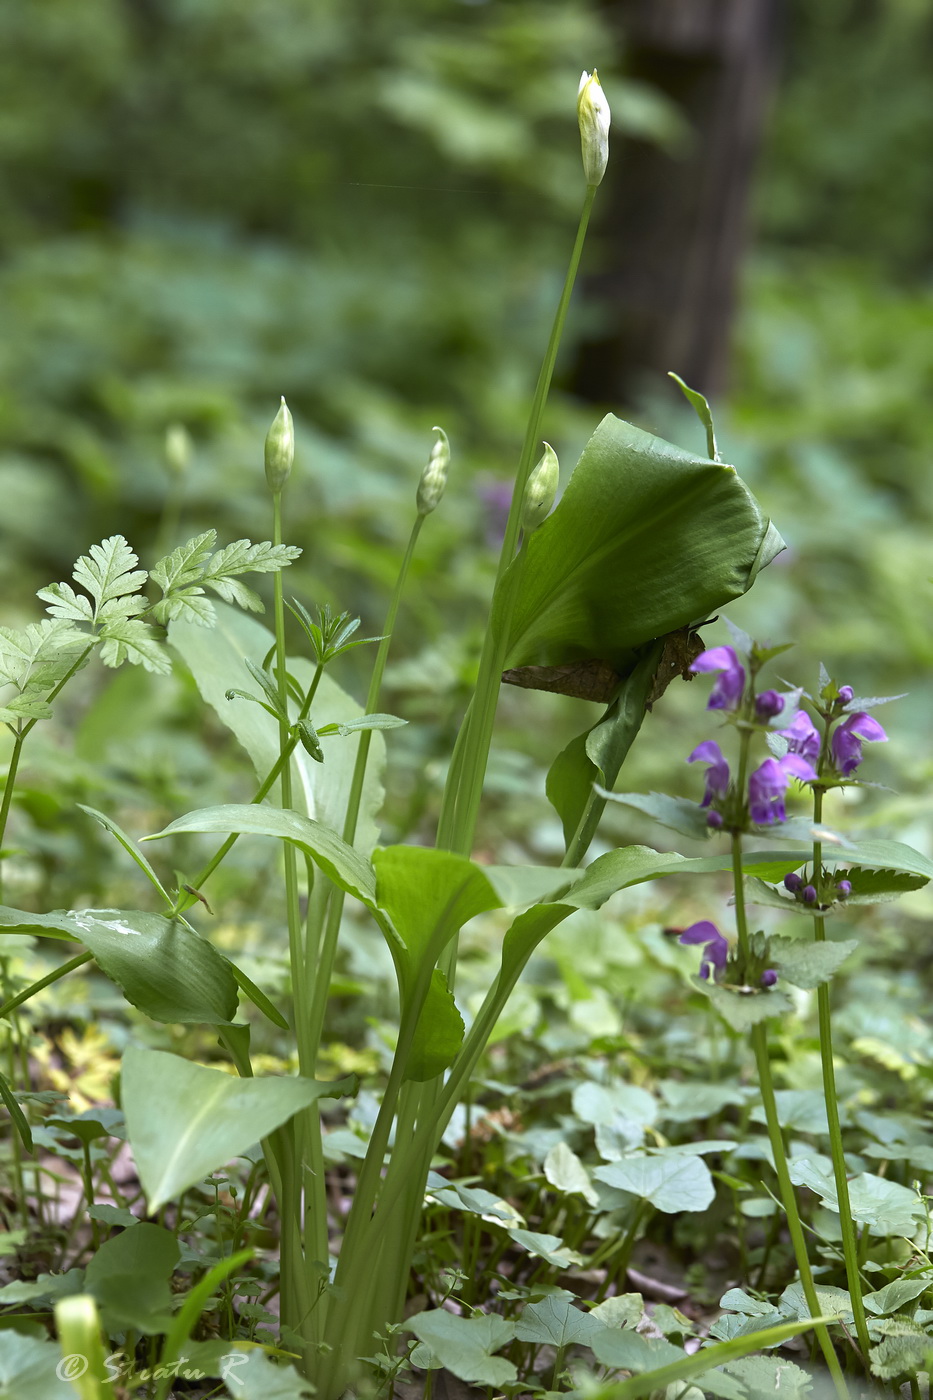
(674, 223)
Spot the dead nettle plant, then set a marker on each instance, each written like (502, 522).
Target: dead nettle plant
(599, 596)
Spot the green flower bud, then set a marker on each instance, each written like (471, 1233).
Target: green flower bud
(434, 477)
(593, 115)
(179, 448)
(280, 449)
(540, 490)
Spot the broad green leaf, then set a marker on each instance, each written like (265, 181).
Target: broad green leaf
(45, 1289)
(472, 1199)
(877, 886)
(184, 1121)
(216, 659)
(886, 1207)
(465, 1345)
(565, 1172)
(592, 760)
(646, 539)
(518, 885)
(688, 1099)
(160, 965)
(29, 1369)
(832, 1302)
(807, 964)
(798, 1110)
(130, 1276)
(895, 1294)
(606, 1103)
(778, 1377)
(548, 1247)
(742, 1010)
(556, 1322)
(340, 862)
(670, 1182)
(902, 1355)
(252, 1375)
(627, 1350)
(429, 895)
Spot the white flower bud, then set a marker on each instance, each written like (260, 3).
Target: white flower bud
(434, 477)
(593, 115)
(540, 490)
(179, 448)
(280, 448)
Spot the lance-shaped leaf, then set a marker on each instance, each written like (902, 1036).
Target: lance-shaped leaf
(159, 964)
(184, 1120)
(429, 895)
(646, 539)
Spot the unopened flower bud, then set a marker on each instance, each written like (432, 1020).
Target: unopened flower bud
(434, 477)
(714, 820)
(768, 704)
(846, 693)
(178, 448)
(593, 115)
(540, 490)
(844, 889)
(280, 449)
(809, 894)
(769, 977)
(793, 883)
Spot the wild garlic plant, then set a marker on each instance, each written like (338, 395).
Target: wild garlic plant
(598, 595)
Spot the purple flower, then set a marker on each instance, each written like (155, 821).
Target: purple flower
(809, 894)
(846, 693)
(768, 704)
(717, 949)
(793, 882)
(767, 785)
(717, 775)
(844, 889)
(802, 736)
(728, 690)
(847, 741)
(769, 977)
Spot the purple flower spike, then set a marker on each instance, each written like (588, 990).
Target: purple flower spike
(769, 977)
(716, 953)
(767, 785)
(802, 737)
(809, 894)
(847, 741)
(717, 775)
(768, 704)
(727, 693)
(844, 889)
(846, 693)
(793, 882)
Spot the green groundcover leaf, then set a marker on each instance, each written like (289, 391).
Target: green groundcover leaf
(184, 1121)
(807, 964)
(160, 965)
(29, 1369)
(465, 1345)
(130, 1276)
(556, 1322)
(646, 539)
(886, 1207)
(670, 1182)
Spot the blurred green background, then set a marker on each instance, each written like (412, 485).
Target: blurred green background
(367, 205)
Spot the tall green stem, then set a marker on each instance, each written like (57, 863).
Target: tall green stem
(759, 1038)
(837, 1152)
(462, 794)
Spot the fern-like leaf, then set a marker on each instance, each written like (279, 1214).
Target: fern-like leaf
(186, 564)
(109, 571)
(66, 603)
(131, 640)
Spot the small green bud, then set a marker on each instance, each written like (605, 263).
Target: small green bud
(434, 477)
(593, 116)
(540, 490)
(179, 448)
(280, 448)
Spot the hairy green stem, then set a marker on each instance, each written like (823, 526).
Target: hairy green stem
(837, 1152)
(759, 1039)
